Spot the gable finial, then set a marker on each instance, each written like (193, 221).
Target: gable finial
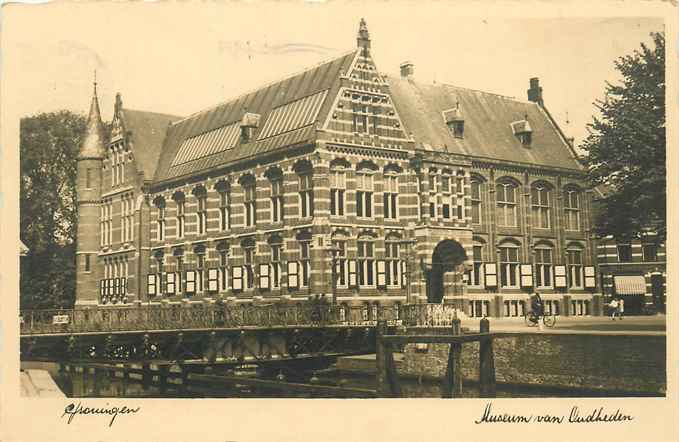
(95, 82)
(363, 38)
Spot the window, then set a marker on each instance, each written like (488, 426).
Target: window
(200, 268)
(249, 260)
(250, 202)
(506, 204)
(160, 223)
(650, 252)
(107, 223)
(375, 120)
(525, 138)
(572, 209)
(179, 257)
(543, 267)
(540, 197)
(366, 263)
(277, 211)
(390, 196)
(509, 266)
(393, 275)
(476, 188)
(305, 259)
(360, 118)
(224, 209)
(445, 184)
(337, 190)
(223, 266)
(364, 194)
(475, 273)
(201, 210)
(159, 271)
(179, 200)
(457, 128)
(624, 253)
(306, 195)
(88, 178)
(127, 218)
(114, 166)
(276, 266)
(340, 262)
(87, 262)
(574, 267)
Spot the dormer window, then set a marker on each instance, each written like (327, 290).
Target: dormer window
(523, 131)
(248, 125)
(455, 121)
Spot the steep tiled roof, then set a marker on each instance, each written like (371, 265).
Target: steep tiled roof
(147, 131)
(293, 104)
(488, 122)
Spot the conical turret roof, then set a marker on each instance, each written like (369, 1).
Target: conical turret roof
(93, 145)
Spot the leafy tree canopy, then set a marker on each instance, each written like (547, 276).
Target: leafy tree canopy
(49, 145)
(626, 146)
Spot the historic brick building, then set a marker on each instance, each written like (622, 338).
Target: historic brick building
(416, 192)
(634, 270)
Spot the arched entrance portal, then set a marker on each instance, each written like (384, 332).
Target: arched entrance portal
(448, 256)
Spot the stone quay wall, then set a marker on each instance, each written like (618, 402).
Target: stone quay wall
(620, 363)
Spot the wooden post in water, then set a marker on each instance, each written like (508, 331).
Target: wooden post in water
(486, 362)
(146, 375)
(452, 380)
(163, 371)
(387, 379)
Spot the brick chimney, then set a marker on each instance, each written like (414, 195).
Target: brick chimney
(407, 69)
(535, 91)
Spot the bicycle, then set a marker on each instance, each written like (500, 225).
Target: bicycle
(548, 320)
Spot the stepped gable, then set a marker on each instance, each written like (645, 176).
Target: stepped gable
(281, 114)
(488, 122)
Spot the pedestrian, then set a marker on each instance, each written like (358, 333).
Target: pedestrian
(621, 308)
(614, 308)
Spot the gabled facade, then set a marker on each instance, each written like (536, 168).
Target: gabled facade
(344, 182)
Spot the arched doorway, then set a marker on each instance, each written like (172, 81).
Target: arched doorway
(448, 256)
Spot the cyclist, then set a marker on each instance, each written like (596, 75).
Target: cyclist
(537, 307)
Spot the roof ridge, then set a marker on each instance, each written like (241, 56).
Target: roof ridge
(151, 112)
(262, 86)
(443, 83)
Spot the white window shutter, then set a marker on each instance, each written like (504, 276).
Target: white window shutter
(237, 278)
(490, 270)
(190, 282)
(590, 277)
(213, 280)
(293, 275)
(264, 279)
(170, 282)
(526, 275)
(381, 273)
(352, 273)
(151, 284)
(560, 276)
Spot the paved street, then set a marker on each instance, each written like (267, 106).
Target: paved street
(599, 324)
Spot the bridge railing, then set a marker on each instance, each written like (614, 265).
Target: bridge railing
(429, 315)
(172, 317)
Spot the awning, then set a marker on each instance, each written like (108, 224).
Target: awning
(630, 285)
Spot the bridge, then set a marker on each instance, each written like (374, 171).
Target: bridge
(215, 334)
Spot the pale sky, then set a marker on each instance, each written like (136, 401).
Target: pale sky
(181, 58)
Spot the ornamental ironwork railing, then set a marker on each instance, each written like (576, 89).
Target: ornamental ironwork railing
(216, 316)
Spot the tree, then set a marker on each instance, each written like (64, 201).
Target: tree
(626, 146)
(49, 145)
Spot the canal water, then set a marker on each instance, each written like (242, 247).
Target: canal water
(87, 385)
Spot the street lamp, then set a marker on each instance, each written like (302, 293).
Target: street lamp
(410, 243)
(333, 251)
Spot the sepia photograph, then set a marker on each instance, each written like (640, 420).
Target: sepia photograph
(302, 201)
